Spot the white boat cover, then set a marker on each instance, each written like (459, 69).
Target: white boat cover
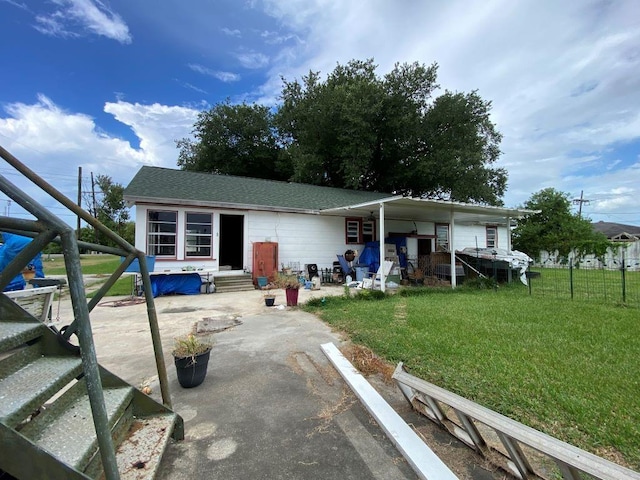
(515, 259)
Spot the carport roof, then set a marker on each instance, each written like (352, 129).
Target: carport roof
(165, 186)
(439, 211)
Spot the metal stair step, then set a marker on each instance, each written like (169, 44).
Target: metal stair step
(13, 334)
(66, 430)
(29, 385)
(139, 455)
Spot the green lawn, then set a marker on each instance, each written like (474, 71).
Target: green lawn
(587, 284)
(568, 368)
(91, 265)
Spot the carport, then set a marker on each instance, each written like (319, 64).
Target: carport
(436, 211)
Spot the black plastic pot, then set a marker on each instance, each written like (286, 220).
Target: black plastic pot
(191, 371)
(269, 301)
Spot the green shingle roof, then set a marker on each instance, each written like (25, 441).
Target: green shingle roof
(164, 185)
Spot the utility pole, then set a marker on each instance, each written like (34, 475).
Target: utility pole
(79, 199)
(95, 211)
(579, 202)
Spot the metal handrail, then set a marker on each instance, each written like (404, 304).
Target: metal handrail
(49, 228)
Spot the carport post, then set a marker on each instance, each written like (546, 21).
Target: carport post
(452, 250)
(509, 271)
(383, 278)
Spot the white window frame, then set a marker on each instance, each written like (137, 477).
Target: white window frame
(198, 235)
(368, 231)
(153, 248)
(492, 239)
(353, 231)
(442, 242)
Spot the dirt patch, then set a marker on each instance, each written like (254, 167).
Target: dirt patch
(301, 363)
(329, 411)
(367, 362)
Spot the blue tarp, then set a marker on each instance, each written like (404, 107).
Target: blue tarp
(371, 253)
(186, 284)
(13, 245)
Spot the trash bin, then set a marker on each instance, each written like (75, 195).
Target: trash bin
(312, 270)
(362, 272)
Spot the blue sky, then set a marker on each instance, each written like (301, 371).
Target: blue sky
(110, 86)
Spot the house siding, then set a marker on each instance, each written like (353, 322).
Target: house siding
(468, 236)
(302, 238)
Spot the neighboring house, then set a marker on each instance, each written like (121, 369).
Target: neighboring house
(625, 253)
(618, 232)
(212, 221)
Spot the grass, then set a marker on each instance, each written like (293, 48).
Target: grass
(569, 369)
(92, 265)
(588, 284)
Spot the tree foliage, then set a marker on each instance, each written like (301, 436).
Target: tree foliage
(556, 228)
(111, 210)
(358, 130)
(234, 140)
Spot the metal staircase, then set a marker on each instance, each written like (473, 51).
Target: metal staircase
(63, 416)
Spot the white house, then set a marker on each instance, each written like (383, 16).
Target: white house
(214, 222)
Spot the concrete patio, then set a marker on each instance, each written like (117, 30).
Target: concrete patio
(271, 405)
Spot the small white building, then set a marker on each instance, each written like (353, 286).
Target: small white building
(202, 220)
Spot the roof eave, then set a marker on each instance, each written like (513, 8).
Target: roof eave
(133, 200)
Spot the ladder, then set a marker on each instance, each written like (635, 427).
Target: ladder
(477, 426)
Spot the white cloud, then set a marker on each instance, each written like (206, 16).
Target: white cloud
(54, 142)
(194, 88)
(20, 5)
(220, 75)
(277, 38)
(157, 126)
(252, 59)
(85, 15)
(564, 77)
(232, 33)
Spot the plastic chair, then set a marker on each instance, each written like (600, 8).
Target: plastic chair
(385, 269)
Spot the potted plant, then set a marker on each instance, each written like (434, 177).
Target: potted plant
(291, 284)
(269, 296)
(191, 357)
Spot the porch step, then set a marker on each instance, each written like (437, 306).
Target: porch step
(235, 283)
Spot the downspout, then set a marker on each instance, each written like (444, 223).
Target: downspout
(383, 278)
(452, 249)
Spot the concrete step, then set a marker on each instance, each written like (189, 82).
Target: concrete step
(236, 288)
(236, 283)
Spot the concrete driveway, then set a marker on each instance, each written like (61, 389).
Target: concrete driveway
(271, 405)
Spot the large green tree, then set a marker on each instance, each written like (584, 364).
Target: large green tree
(234, 140)
(556, 228)
(356, 129)
(112, 210)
